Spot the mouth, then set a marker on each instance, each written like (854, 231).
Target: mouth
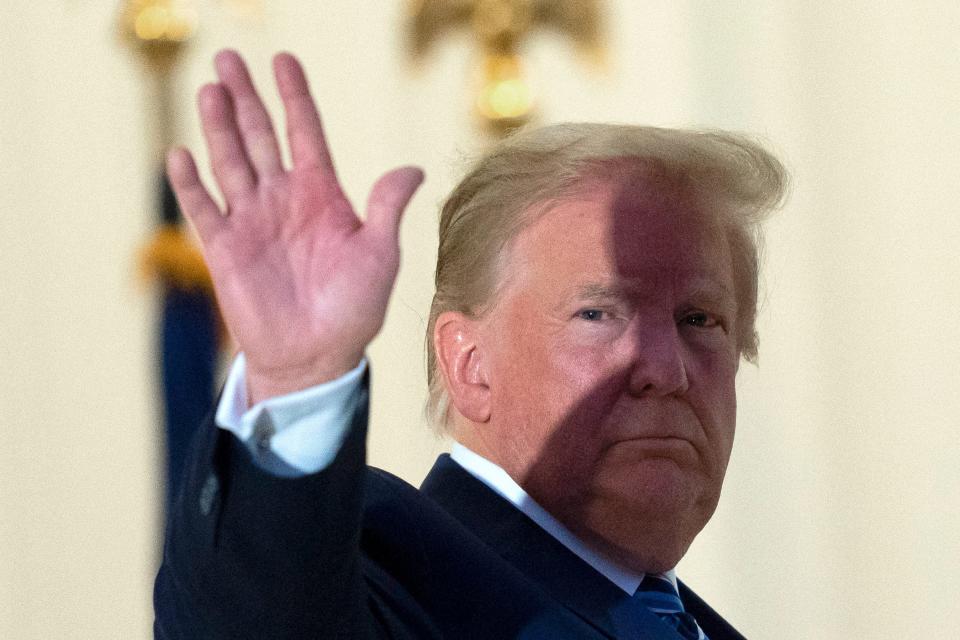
(676, 449)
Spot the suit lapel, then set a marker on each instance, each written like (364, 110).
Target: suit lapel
(538, 555)
(709, 620)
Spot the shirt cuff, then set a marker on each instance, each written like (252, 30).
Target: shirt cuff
(294, 434)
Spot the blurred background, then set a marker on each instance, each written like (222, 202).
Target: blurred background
(840, 515)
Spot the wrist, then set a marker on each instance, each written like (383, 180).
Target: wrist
(265, 383)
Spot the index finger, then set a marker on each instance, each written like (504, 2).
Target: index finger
(308, 146)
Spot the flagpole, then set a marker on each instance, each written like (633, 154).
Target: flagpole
(158, 31)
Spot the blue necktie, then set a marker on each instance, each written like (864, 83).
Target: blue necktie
(657, 593)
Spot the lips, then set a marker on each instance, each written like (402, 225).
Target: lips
(680, 450)
(662, 423)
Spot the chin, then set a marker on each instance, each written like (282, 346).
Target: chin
(649, 536)
(644, 516)
(644, 549)
(657, 557)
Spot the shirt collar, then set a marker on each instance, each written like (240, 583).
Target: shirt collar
(501, 483)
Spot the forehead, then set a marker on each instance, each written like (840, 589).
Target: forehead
(634, 226)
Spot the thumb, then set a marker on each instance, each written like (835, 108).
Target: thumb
(389, 198)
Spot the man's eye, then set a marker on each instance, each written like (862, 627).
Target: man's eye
(701, 319)
(590, 314)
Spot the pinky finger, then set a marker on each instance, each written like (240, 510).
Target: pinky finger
(195, 201)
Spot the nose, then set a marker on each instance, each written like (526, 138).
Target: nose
(658, 366)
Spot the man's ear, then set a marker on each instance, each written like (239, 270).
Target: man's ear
(460, 356)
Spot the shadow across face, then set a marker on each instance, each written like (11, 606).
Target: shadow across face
(612, 358)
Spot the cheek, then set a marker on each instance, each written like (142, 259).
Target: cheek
(524, 391)
(541, 371)
(552, 400)
(726, 421)
(583, 391)
(714, 399)
(587, 383)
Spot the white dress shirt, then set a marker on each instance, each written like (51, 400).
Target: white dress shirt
(294, 434)
(301, 433)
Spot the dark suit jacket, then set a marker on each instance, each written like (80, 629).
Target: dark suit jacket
(354, 552)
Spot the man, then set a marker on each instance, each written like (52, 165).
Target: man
(596, 288)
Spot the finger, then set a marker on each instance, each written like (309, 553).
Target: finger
(308, 146)
(228, 159)
(195, 202)
(389, 198)
(256, 129)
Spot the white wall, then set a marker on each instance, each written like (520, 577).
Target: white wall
(840, 507)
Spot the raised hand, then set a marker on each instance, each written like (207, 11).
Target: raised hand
(303, 284)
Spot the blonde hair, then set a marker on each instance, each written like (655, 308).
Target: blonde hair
(487, 209)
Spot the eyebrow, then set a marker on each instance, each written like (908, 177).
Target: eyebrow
(713, 291)
(595, 290)
(706, 289)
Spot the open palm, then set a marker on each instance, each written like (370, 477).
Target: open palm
(302, 282)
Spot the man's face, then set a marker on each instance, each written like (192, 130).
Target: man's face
(611, 354)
